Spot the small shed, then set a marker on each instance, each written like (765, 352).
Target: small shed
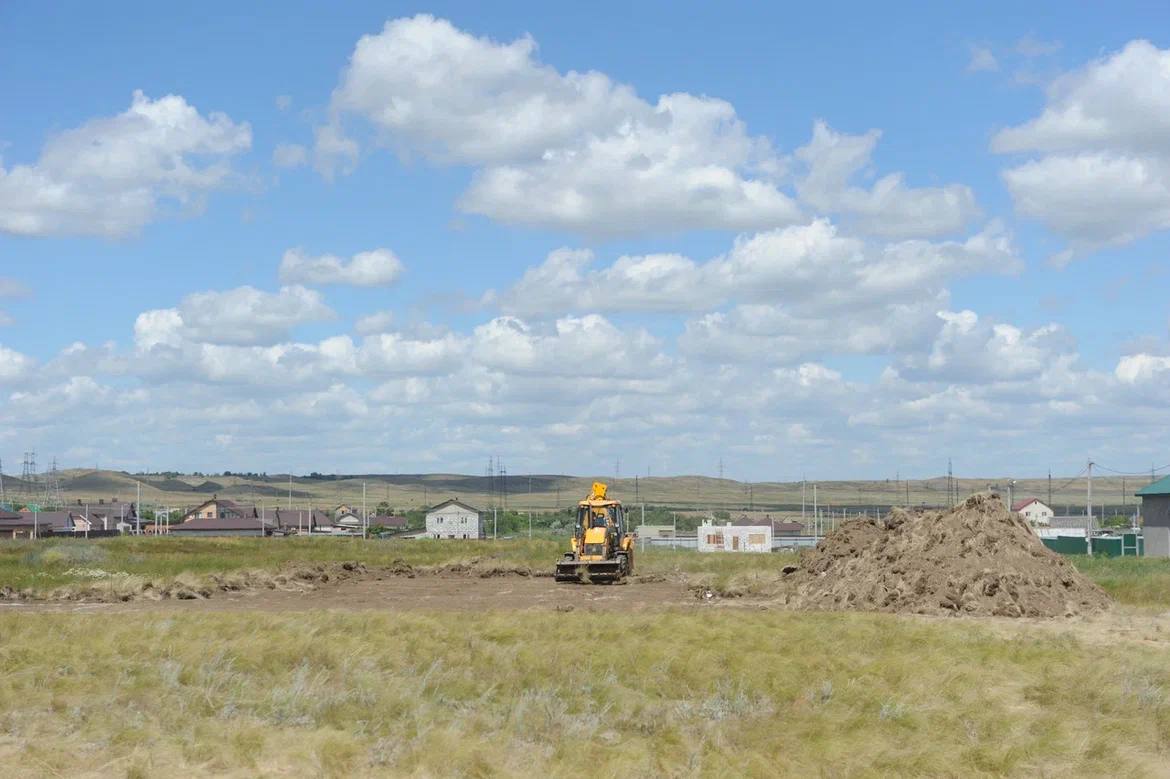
(734, 538)
(454, 519)
(1156, 517)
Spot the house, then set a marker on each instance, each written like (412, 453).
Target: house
(21, 524)
(222, 526)
(1156, 517)
(219, 508)
(781, 528)
(454, 519)
(734, 538)
(303, 521)
(655, 531)
(1035, 512)
(353, 523)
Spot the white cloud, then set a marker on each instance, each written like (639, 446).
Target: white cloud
(13, 364)
(808, 267)
(241, 316)
(973, 350)
(582, 347)
(372, 324)
(376, 268)
(889, 208)
(1141, 368)
(1104, 136)
(283, 102)
(289, 155)
(574, 151)
(112, 176)
(982, 60)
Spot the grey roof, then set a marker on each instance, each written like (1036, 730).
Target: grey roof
(455, 502)
(1067, 522)
(302, 518)
(387, 521)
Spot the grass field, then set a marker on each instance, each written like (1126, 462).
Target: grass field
(719, 693)
(699, 690)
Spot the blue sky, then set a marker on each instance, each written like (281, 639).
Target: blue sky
(839, 240)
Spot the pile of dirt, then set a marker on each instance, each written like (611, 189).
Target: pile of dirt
(978, 558)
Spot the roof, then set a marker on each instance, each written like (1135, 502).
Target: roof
(1023, 503)
(1160, 487)
(302, 518)
(9, 514)
(453, 502)
(226, 523)
(1071, 522)
(387, 521)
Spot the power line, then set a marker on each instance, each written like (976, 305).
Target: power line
(1132, 473)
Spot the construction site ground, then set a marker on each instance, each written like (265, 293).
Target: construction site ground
(387, 592)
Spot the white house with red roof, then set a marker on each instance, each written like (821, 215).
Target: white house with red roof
(1034, 511)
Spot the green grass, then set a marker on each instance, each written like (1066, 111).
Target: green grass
(1135, 581)
(711, 692)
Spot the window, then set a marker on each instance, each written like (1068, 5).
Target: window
(756, 539)
(715, 539)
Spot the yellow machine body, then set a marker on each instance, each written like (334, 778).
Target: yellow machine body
(602, 547)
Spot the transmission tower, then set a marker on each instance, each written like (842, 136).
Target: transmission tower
(52, 486)
(28, 475)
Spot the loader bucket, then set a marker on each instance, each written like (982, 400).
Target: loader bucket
(597, 571)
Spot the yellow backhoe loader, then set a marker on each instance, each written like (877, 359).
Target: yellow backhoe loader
(602, 547)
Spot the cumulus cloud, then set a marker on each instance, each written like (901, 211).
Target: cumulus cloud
(584, 347)
(807, 267)
(1103, 172)
(241, 316)
(575, 150)
(377, 322)
(889, 208)
(970, 349)
(13, 364)
(112, 176)
(376, 268)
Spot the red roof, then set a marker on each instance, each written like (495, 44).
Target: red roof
(1023, 503)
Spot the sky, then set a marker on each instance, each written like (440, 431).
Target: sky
(837, 241)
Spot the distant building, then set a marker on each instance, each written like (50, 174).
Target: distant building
(655, 531)
(303, 521)
(1156, 517)
(1035, 512)
(734, 538)
(454, 519)
(220, 508)
(222, 526)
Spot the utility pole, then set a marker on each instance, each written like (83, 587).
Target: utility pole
(530, 506)
(1089, 508)
(290, 492)
(365, 516)
(1049, 488)
(815, 511)
(803, 487)
(495, 525)
(138, 511)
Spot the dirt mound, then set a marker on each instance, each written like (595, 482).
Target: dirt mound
(105, 587)
(978, 558)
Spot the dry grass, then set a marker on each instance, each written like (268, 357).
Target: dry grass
(717, 692)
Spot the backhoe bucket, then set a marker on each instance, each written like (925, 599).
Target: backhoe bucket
(596, 571)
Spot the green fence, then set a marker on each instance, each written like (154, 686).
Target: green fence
(1127, 545)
